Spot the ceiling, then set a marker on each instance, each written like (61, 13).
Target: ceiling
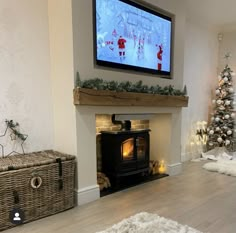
(217, 13)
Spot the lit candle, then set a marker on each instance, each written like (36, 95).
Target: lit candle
(162, 167)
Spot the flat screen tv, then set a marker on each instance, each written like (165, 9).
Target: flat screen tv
(128, 35)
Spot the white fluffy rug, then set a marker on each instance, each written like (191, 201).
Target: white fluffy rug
(149, 223)
(227, 167)
(219, 153)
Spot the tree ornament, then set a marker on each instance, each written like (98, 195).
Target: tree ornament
(227, 116)
(212, 119)
(217, 128)
(229, 132)
(223, 93)
(227, 102)
(222, 107)
(210, 144)
(232, 115)
(231, 90)
(219, 139)
(226, 79)
(227, 142)
(219, 102)
(221, 82)
(217, 119)
(211, 132)
(217, 91)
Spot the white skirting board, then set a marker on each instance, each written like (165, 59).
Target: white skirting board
(88, 194)
(174, 169)
(92, 193)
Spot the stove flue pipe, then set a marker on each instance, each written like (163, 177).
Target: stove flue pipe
(124, 125)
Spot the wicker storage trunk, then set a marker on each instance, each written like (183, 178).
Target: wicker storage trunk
(40, 184)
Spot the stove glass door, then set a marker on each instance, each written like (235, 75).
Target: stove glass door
(127, 149)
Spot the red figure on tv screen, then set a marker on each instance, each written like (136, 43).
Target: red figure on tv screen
(121, 46)
(159, 57)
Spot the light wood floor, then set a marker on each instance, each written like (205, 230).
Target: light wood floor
(198, 198)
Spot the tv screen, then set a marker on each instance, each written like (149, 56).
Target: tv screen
(131, 36)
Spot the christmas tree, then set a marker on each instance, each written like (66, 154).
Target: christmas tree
(221, 129)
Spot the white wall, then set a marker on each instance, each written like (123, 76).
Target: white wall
(200, 77)
(62, 74)
(227, 44)
(25, 88)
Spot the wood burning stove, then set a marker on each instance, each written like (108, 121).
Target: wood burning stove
(124, 153)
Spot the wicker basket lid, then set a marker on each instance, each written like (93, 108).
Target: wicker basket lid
(39, 158)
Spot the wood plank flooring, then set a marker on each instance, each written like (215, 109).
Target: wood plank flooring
(198, 198)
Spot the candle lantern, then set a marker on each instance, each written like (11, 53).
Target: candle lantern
(162, 167)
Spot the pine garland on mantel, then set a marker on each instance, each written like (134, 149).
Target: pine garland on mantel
(127, 86)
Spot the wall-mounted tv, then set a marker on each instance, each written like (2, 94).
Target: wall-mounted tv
(128, 35)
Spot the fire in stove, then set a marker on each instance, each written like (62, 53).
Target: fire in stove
(127, 149)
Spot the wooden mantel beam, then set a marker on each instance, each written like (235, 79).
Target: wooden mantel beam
(84, 96)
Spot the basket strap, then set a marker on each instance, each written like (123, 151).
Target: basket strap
(60, 181)
(16, 197)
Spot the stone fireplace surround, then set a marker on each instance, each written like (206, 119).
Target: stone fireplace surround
(165, 142)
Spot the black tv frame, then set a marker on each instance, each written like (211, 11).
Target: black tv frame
(139, 70)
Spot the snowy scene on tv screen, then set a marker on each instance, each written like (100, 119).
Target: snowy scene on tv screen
(131, 36)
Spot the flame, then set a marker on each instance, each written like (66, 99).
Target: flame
(128, 148)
